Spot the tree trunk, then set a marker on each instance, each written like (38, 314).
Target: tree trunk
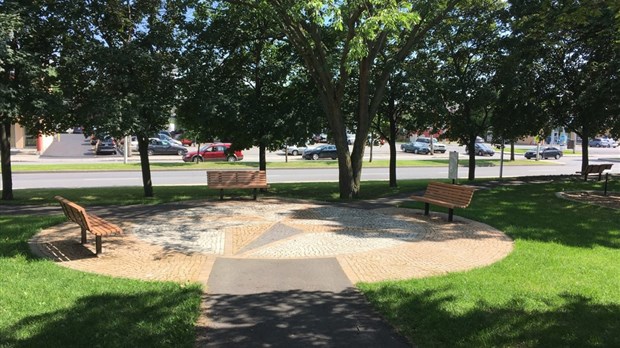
(585, 150)
(262, 156)
(5, 157)
(147, 183)
(392, 143)
(348, 187)
(584, 154)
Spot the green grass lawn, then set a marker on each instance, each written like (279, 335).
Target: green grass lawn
(44, 305)
(165, 194)
(560, 287)
(134, 166)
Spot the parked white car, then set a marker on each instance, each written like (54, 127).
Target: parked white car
(294, 150)
(133, 143)
(167, 138)
(437, 146)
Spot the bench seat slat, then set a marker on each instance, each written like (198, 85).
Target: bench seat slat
(101, 227)
(437, 202)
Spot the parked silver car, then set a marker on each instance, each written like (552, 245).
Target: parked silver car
(294, 150)
(437, 146)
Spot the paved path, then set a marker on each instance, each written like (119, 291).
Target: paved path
(280, 272)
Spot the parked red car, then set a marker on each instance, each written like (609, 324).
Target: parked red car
(214, 152)
(185, 141)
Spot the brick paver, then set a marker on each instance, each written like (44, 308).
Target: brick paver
(181, 243)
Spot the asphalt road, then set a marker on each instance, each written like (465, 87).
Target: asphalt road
(22, 180)
(72, 149)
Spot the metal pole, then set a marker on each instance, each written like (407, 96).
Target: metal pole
(371, 141)
(126, 149)
(501, 160)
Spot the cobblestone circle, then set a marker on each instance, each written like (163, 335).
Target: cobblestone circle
(370, 244)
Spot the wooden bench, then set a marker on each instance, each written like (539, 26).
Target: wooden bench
(446, 195)
(595, 169)
(88, 222)
(244, 179)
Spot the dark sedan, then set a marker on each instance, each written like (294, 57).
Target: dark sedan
(481, 149)
(322, 151)
(545, 152)
(163, 147)
(416, 147)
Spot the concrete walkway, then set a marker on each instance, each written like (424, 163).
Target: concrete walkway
(280, 272)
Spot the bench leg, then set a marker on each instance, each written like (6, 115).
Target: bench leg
(98, 244)
(450, 214)
(83, 236)
(606, 180)
(426, 208)
(221, 194)
(255, 192)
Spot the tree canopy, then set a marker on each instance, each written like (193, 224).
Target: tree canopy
(119, 67)
(242, 82)
(573, 49)
(29, 93)
(257, 72)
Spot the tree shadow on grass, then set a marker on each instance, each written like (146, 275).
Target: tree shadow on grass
(148, 319)
(16, 230)
(534, 212)
(576, 322)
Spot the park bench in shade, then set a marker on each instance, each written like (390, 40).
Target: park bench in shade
(595, 169)
(446, 195)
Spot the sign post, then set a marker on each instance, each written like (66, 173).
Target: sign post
(453, 166)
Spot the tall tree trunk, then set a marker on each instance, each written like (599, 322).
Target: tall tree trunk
(392, 143)
(585, 150)
(348, 187)
(5, 156)
(392, 138)
(147, 183)
(262, 156)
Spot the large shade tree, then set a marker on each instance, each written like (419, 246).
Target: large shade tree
(575, 55)
(519, 112)
(395, 113)
(240, 79)
(119, 63)
(337, 38)
(461, 91)
(29, 93)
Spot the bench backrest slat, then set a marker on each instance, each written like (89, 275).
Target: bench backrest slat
(236, 177)
(597, 168)
(74, 212)
(459, 195)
